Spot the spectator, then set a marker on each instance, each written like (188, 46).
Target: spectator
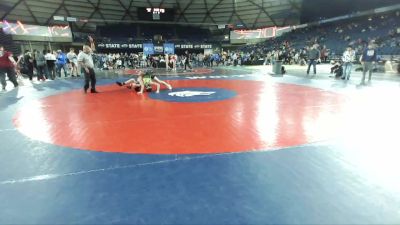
(61, 63)
(337, 69)
(41, 65)
(324, 54)
(313, 55)
(51, 66)
(368, 60)
(7, 66)
(28, 64)
(73, 60)
(348, 58)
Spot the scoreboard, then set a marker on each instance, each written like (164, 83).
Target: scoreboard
(155, 14)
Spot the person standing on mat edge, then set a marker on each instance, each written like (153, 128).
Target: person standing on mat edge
(62, 63)
(348, 57)
(313, 55)
(73, 62)
(7, 65)
(368, 60)
(28, 64)
(187, 60)
(85, 60)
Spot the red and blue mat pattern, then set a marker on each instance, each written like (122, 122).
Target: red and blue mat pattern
(220, 148)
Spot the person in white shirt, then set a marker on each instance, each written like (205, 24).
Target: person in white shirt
(51, 66)
(73, 60)
(85, 60)
(348, 57)
(174, 59)
(235, 59)
(166, 57)
(80, 69)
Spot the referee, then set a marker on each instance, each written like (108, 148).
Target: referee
(85, 60)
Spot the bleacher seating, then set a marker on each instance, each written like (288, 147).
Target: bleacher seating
(336, 36)
(170, 32)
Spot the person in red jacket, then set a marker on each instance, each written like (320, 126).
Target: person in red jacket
(7, 66)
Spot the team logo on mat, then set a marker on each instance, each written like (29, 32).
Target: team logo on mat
(195, 94)
(190, 93)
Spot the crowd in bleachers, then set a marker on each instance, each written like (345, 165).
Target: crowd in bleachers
(333, 38)
(110, 61)
(145, 32)
(291, 48)
(294, 47)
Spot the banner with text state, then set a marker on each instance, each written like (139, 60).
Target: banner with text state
(119, 46)
(171, 46)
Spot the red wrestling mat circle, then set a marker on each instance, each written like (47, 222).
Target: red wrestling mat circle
(261, 116)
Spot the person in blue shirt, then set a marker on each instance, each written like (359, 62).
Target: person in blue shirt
(368, 60)
(61, 63)
(215, 58)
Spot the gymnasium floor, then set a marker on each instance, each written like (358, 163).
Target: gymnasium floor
(225, 146)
